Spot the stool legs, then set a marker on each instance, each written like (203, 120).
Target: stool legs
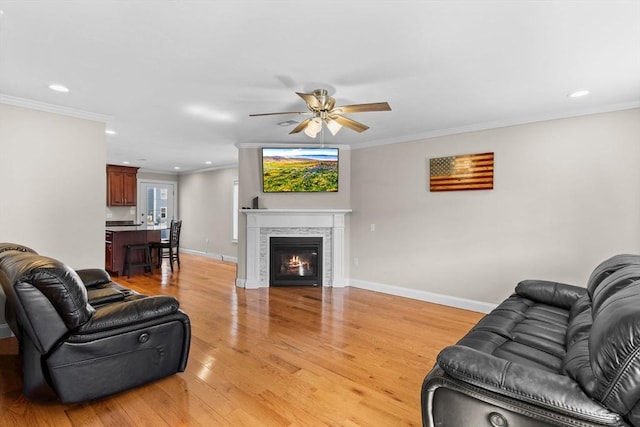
(128, 259)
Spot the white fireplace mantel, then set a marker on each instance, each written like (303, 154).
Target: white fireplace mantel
(286, 222)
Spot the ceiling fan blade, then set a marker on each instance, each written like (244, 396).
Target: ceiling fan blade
(311, 100)
(349, 123)
(303, 124)
(360, 108)
(275, 114)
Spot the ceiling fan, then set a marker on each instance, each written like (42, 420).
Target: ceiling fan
(323, 109)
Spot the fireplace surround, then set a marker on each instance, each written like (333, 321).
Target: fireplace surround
(263, 224)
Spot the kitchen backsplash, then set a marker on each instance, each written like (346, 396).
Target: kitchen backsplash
(120, 213)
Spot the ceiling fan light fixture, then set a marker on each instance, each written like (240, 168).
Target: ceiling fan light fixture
(314, 126)
(333, 126)
(322, 108)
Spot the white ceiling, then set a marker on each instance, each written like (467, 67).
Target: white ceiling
(443, 66)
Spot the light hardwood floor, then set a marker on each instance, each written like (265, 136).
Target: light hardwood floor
(303, 356)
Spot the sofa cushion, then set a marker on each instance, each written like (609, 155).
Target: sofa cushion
(551, 293)
(523, 331)
(92, 277)
(523, 383)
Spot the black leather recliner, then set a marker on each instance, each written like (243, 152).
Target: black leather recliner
(551, 354)
(82, 336)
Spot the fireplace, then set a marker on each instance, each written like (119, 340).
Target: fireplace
(263, 224)
(295, 261)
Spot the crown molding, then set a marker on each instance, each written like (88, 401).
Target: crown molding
(290, 145)
(51, 108)
(499, 124)
(210, 169)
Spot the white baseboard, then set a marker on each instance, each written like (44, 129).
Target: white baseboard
(466, 304)
(5, 332)
(221, 257)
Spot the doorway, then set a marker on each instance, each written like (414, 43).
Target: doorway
(157, 203)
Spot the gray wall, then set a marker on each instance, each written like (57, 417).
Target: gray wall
(566, 196)
(205, 204)
(52, 196)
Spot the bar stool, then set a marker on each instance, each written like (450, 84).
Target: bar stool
(130, 255)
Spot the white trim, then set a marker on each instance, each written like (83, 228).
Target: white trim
(494, 125)
(289, 145)
(240, 283)
(221, 257)
(464, 303)
(51, 108)
(279, 212)
(141, 197)
(170, 174)
(235, 214)
(5, 332)
(210, 169)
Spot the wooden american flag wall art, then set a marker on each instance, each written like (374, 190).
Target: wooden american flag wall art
(459, 173)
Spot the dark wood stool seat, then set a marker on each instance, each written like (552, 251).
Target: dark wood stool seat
(132, 252)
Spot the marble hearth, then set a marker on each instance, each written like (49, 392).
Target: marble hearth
(262, 224)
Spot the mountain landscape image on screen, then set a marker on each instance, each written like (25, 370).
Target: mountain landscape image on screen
(299, 170)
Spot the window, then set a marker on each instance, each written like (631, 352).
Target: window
(235, 211)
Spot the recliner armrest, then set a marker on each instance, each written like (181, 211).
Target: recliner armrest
(126, 313)
(93, 277)
(552, 293)
(552, 391)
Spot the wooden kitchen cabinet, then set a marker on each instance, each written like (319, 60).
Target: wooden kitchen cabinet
(122, 185)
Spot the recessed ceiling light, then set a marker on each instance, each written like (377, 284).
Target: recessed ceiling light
(210, 113)
(207, 162)
(176, 167)
(125, 162)
(110, 132)
(58, 88)
(578, 93)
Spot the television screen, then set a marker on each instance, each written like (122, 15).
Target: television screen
(312, 169)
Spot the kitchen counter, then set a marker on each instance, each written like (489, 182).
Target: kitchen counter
(143, 227)
(117, 237)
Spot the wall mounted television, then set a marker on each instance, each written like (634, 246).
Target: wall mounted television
(297, 170)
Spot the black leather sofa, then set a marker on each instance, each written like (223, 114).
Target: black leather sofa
(83, 336)
(551, 354)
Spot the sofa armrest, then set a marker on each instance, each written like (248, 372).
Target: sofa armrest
(552, 293)
(126, 313)
(554, 392)
(93, 277)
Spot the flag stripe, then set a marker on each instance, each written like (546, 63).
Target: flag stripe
(467, 172)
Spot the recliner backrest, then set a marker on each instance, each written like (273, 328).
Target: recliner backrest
(48, 296)
(607, 267)
(15, 247)
(614, 339)
(603, 336)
